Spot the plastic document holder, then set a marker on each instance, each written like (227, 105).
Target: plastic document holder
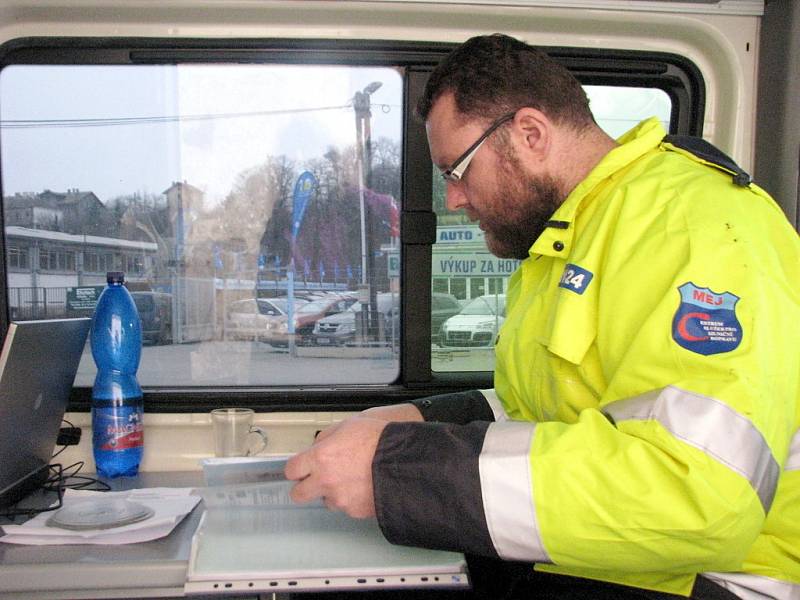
(259, 541)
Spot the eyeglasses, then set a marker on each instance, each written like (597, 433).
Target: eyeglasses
(456, 171)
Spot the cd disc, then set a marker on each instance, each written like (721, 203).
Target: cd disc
(99, 513)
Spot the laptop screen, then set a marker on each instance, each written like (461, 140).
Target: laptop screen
(38, 363)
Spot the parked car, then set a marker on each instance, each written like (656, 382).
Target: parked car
(257, 318)
(477, 324)
(305, 317)
(443, 306)
(155, 313)
(340, 329)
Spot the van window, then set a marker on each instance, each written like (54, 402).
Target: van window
(233, 188)
(273, 206)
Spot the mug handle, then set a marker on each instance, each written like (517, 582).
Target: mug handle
(263, 436)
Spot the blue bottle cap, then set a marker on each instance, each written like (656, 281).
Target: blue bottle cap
(115, 277)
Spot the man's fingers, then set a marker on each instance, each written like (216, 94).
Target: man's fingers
(330, 505)
(305, 491)
(337, 468)
(299, 466)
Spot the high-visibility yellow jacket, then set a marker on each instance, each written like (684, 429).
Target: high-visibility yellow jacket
(644, 424)
(653, 338)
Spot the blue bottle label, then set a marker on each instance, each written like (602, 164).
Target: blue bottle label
(118, 428)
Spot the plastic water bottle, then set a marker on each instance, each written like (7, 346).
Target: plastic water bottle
(117, 407)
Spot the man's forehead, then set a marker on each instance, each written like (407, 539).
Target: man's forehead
(444, 113)
(449, 131)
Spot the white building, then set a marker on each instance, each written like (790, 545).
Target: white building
(43, 264)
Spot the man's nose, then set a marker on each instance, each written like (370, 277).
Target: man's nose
(455, 196)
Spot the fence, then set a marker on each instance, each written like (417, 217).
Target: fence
(35, 303)
(194, 303)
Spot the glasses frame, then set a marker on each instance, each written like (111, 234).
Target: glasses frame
(455, 172)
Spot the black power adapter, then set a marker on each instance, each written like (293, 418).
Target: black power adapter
(68, 436)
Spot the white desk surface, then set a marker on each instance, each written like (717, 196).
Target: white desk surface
(155, 569)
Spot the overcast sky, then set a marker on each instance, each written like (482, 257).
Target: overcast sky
(310, 106)
(208, 147)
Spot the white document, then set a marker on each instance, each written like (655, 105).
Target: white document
(169, 506)
(244, 469)
(274, 494)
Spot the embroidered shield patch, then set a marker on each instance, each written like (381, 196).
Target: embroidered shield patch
(705, 321)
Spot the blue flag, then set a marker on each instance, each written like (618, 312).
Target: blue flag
(218, 264)
(302, 194)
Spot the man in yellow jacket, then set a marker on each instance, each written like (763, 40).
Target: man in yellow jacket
(642, 437)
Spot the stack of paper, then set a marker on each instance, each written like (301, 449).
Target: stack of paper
(168, 506)
(253, 538)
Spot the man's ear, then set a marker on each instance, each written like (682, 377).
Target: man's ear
(534, 133)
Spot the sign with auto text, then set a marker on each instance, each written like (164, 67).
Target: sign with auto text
(461, 234)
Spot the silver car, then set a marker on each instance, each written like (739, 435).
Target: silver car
(477, 324)
(340, 329)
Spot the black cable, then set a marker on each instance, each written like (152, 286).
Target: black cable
(83, 481)
(59, 479)
(64, 447)
(13, 512)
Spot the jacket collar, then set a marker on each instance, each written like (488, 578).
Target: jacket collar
(556, 240)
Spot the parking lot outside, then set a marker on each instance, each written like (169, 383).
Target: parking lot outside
(244, 362)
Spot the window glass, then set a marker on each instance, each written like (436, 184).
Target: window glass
(463, 265)
(234, 197)
(17, 257)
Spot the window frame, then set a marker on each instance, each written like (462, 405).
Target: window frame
(20, 252)
(54, 258)
(676, 75)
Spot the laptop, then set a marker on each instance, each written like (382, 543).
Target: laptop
(38, 364)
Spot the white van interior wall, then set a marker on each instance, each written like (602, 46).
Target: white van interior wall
(720, 38)
(177, 442)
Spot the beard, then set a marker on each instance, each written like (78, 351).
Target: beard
(521, 206)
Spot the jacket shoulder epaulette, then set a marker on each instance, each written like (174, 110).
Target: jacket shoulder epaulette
(708, 154)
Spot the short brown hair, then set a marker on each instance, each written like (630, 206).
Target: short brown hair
(495, 74)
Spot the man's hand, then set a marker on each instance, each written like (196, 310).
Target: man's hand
(394, 412)
(338, 467)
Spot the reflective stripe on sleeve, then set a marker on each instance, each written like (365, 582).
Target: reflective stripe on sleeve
(793, 461)
(495, 404)
(507, 491)
(756, 587)
(711, 426)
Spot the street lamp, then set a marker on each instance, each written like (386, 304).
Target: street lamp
(361, 106)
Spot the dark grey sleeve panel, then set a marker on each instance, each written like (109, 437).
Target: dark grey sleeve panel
(460, 407)
(427, 486)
